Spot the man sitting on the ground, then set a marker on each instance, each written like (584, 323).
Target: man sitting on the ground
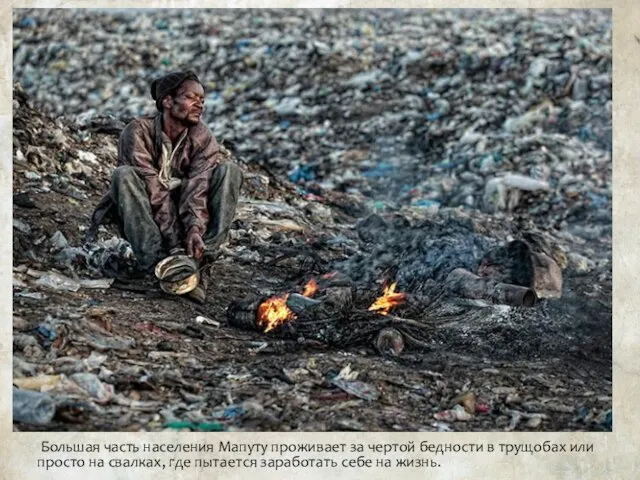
(173, 190)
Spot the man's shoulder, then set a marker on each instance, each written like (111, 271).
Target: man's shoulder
(137, 126)
(141, 122)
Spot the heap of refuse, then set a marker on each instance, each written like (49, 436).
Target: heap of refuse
(498, 112)
(408, 146)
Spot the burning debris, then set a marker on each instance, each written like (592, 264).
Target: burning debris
(310, 288)
(276, 310)
(273, 312)
(486, 284)
(333, 318)
(388, 300)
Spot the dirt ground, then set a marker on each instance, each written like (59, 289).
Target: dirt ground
(549, 370)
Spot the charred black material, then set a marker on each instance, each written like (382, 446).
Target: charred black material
(416, 255)
(465, 284)
(299, 304)
(509, 263)
(243, 314)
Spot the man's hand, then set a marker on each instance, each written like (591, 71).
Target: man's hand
(195, 245)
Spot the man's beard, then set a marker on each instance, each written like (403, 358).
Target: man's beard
(186, 121)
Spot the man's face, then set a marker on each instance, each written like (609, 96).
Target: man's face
(188, 103)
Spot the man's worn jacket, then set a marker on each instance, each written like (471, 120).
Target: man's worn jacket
(141, 146)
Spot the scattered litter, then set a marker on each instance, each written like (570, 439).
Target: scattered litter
(101, 392)
(349, 425)
(41, 383)
(207, 321)
(534, 419)
(395, 145)
(21, 226)
(58, 241)
(96, 283)
(230, 413)
(456, 414)
(296, 375)
(196, 427)
(32, 407)
(57, 281)
(482, 408)
(356, 388)
(28, 294)
(467, 400)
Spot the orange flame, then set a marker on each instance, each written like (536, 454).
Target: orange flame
(388, 300)
(273, 312)
(310, 288)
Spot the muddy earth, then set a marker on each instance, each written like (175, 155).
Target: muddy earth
(119, 354)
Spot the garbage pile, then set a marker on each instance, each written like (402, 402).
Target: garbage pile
(387, 146)
(426, 108)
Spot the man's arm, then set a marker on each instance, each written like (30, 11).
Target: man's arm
(134, 149)
(194, 211)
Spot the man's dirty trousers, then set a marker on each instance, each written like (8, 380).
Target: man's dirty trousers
(138, 227)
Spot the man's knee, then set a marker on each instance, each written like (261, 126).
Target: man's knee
(123, 173)
(230, 173)
(125, 177)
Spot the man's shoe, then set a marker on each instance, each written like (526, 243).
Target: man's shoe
(198, 294)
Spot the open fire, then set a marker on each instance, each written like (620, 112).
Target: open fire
(310, 288)
(389, 299)
(336, 318)
(274, 311)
